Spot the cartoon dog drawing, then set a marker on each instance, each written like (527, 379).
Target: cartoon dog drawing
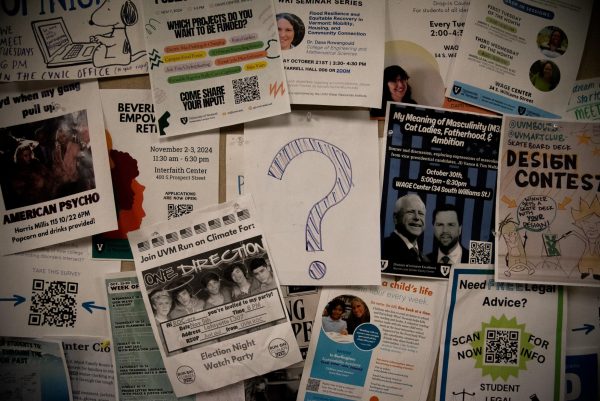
(114, 47)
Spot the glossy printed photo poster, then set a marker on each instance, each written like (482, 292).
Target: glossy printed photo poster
(332, 53)
(67, 40)
(548, 207)
(310, 171)
(519, 57)
(214, 64)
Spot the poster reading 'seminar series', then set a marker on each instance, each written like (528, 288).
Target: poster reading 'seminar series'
(333, 53)
(214, 63)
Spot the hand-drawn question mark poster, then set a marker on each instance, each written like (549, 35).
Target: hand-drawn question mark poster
(548, 206)
(315, 178)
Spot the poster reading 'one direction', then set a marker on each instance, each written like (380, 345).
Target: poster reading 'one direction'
(520, 57)
(333, 53)
(152, 180)
(66, 40)
(495, 345)
(437, 204)
(548, 206)
(55, 180)
(214, 63)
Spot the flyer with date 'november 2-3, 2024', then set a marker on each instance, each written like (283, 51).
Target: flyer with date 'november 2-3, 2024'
(209, 282)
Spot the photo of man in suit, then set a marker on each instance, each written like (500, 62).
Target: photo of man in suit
(409, 221)
(447, 228)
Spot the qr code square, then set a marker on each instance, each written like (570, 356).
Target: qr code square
(502, 347)
(174, 210)
(53, 303)
(480, 252)
(313, 385)
(246, 89)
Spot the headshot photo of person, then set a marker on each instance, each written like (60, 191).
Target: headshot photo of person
(401, 246)
(552, 42)
(447, 228)
(290, 29)
(243, 285)
(217, 294)
(262, 272)
(162, 303)
(359, 314)
(332, 320)
(186, 301)
(544, 75)
(395, 89)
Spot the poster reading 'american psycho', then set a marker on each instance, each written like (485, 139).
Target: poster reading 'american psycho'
(437, 204)
(519, 57)
(55, 180)
(548, 206)
(332, 53)
(67, 40)
(214, 63)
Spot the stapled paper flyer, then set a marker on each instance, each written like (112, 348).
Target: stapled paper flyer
(214, 64)
(210, 284)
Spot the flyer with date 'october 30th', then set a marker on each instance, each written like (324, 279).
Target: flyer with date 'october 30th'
(208, 280)
(214, 64)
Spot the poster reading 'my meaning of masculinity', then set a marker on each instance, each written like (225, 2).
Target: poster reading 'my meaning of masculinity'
(55, 180)
(437, 204)
(333, 53)
(216, 307)
(548, 207)
(520, 57)
(66, 40)
(214, 63)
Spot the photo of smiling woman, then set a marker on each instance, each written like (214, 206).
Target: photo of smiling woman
(290, 29)
(395, 89)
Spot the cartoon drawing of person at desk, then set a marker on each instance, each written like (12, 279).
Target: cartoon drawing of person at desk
(587, 218)
(516, 258)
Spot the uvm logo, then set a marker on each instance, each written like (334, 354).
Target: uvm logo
(274, 89)
(456, 89)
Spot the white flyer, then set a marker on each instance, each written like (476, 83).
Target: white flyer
(211, 286)
(47, 297)
(315, 178)
(55, 180)
(66, 40)
(153, 180)
(234, 165)
(374, 343)
(520, 57)
(214, 64)
(333, 54)
(584, 103)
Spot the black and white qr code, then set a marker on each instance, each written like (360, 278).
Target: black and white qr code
(313, 385)
(502, 347)
(174, 210)
(480, 252)
(246, 89)
(53, 303)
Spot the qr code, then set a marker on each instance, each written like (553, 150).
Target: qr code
(480, 252)
(313, 385)
(174, 210)
(502, 347)
(53, 303)
(246, 89)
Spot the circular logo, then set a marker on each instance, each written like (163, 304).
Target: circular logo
(317, 270)
(186, 374)
(367, 336)
(278, 348)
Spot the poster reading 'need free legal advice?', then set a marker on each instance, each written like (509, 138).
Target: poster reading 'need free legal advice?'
(55, 180)
(66, 40)
(520, 57)
(214, 63)
(333, 51)
(501, 340)
(209, 282)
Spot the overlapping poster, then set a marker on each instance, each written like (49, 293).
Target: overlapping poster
(374, 343)
(437, 204)
(153, 181)
(310, 172)
(332, 53)
(47, 297)
(55, 181)
(214, 64)
(71, 40)
(548, 207)
(584, 103)
(519, 57)
(501, 340)
(210, 284)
